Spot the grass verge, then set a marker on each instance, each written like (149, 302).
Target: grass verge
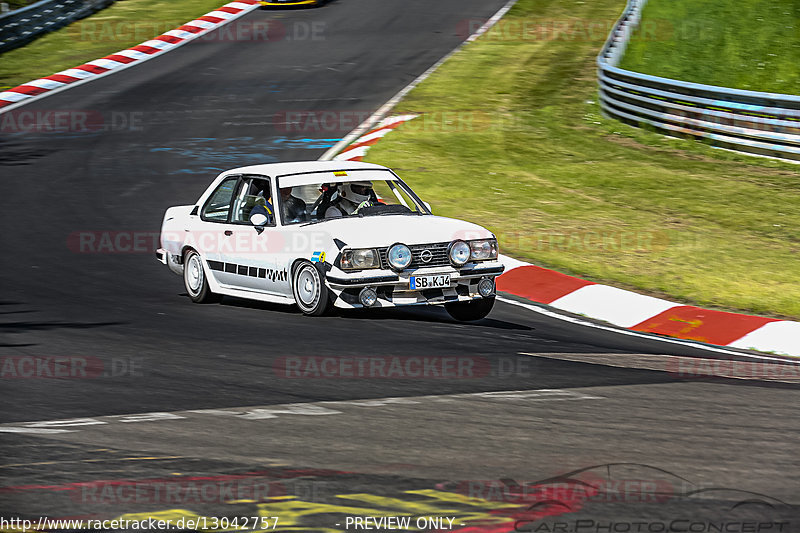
(511, 137)
(744, 44)
(16, 4)
(120, 26)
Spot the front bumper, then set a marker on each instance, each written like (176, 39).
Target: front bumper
(393, 289)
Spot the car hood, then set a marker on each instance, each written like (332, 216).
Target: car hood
(379, 231)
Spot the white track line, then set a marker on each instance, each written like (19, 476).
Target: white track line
(271, 412)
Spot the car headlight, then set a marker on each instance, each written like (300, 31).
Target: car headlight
(399, 256)
(459, 253)
(360, 259)
(483, 250)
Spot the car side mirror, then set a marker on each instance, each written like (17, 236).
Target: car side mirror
(259, 221)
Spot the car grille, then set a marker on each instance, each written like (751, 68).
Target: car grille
(439, 257)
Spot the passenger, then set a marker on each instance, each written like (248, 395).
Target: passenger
(264, 205)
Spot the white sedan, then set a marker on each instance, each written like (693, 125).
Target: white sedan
(321, 234)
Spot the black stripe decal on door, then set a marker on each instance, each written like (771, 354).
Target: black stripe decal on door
(253, 272)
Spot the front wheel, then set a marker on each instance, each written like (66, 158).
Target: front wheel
(470, 311)
(194, 279)
(310, 292)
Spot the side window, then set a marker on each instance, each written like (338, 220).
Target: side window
(218, 206)
(255, 197)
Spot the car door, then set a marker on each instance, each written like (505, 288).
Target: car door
(250, 254)
(207, 230)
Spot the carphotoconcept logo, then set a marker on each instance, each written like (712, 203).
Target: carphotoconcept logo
(729, 510)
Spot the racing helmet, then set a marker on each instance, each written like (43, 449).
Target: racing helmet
(357, 191)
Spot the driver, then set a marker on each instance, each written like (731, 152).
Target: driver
(294, 209)
(352, 197)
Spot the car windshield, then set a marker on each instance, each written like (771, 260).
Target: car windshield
(353, 194)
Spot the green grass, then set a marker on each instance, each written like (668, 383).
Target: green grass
(115, 28)
(511, 137)
(744, 44)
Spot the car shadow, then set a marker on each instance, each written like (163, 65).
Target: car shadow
(19, 326)
(433, 313)
(430, 314)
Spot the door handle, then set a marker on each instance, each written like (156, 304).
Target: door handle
(228, 233)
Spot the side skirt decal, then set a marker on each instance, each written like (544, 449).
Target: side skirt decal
(253, 272)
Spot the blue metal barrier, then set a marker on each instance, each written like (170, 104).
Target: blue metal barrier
(21, 26)
(759, 123)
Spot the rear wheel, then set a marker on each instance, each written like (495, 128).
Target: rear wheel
(194, 279)
(310, 292)
(470, 311)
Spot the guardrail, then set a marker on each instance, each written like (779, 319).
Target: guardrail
(20, 26)
(766, 124)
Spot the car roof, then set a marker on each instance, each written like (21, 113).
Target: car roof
(298, 167)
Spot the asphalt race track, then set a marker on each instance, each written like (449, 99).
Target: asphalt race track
(200, 393)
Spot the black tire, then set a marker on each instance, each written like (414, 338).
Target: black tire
(310, 292)
(194, 279)
(470, 311)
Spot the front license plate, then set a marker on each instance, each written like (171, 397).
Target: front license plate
(429, 282)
